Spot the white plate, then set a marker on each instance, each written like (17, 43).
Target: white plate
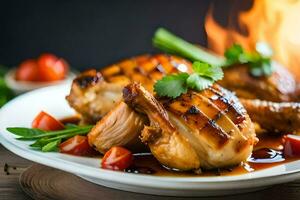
(21, 111)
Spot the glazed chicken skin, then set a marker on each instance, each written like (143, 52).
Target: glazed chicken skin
(280, 86)
(93, 94)
(145, 69)
(208, 129)
(275, 117)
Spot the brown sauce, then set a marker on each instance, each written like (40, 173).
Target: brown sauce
(75, 119)
(267, 153)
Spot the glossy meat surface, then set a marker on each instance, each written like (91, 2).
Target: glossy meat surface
(93, 94)
(281, 117)
(280, 86)
(120, 127)
(207, 129)
(145, 69)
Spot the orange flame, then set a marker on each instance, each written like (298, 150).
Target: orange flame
(274, 22)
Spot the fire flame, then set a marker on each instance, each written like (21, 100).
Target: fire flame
(275, 22)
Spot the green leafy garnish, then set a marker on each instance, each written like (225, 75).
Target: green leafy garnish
(207, 70)
(176, 84)
(198, 82)
(170, 43)
(172, 85)
(48, 140)
(5, 93)
(51, 146)
(259, 61)
(25, 132)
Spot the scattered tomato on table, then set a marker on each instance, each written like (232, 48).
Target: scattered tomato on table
(117, 158)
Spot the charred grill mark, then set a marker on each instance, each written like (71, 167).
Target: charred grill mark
(187, 108)
(226, 100)
(145, 69)
(214, 133)
(195, 118)
(193, 110)
(88, 78)
(198, 99)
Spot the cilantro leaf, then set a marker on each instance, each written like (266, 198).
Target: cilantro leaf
(233, 53)
(172, 85)
(206, 70)
(259, 61)
(199, 83)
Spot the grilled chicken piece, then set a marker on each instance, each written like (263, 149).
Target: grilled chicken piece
(120, 127)
(280, 86)
(207, 129)
(93, 97)
(93, 94)
(281, 117)
(145, 69)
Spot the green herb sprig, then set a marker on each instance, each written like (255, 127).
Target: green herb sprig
(259, 61)
(174, 85)
(5, 92)
(48, 140)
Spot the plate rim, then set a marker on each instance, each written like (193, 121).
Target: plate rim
(134, 179)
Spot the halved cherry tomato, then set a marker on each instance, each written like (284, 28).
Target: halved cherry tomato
(117, 158)
(46, 122)
(52, 68)
(77, 145)
(291, 146)
(27, 71)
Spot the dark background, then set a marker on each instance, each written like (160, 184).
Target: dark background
(96, 33)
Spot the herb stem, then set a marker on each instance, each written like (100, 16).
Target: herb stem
(75, 131)
(171, 43)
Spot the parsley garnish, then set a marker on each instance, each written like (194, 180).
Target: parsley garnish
(259, 61)
(174, 85)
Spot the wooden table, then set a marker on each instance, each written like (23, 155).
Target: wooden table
(10, 188)
(9, 183)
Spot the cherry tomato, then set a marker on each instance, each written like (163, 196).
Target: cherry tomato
(46, 122)
(117, 158)
(52, 68)
(77, 145)
(292, 146)
(27, 71)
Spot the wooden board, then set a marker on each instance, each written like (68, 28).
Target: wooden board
(41, 182)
